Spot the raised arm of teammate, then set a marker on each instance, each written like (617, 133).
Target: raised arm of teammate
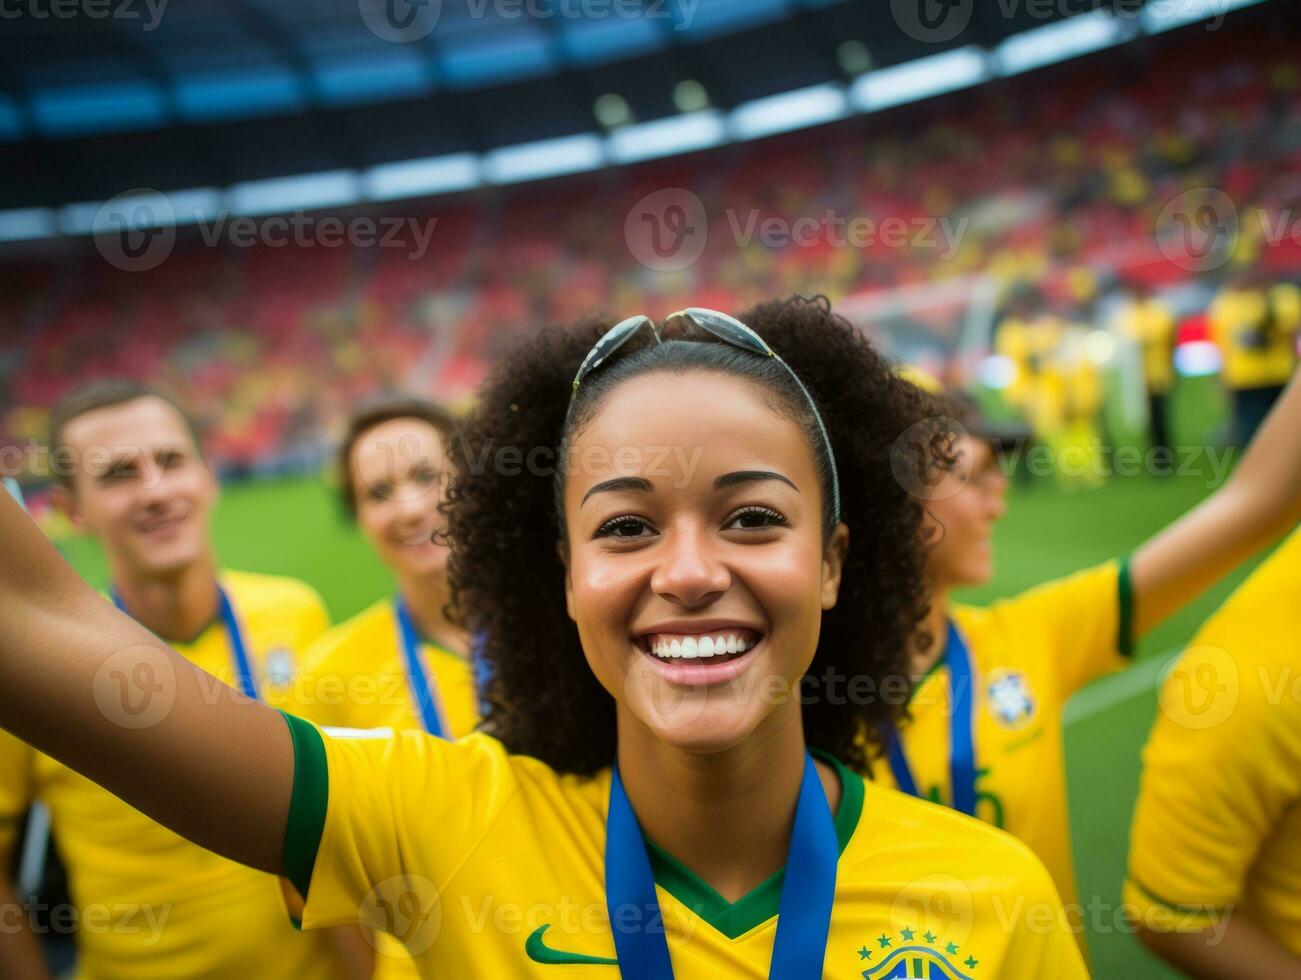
(85, 684)
(1260, 502)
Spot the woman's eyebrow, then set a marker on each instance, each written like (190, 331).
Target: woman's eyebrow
(751, 476)
(721, 483)
(619, 483)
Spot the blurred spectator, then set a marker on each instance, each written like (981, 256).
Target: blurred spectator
(1150, 323)
(1255, 324)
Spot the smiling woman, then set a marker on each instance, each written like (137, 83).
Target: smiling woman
(696, 472)
(656, 789)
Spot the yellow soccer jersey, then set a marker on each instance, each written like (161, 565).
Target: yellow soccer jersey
(149, 903)
(1029, 654)
(1254, 358)
(1152, 325)
(355, 677)
(1217, 827)
(492, 865)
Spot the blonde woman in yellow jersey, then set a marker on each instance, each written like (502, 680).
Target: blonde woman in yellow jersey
(984, 733)
(665, 540)
(401, 663)
(1215, 849)
(148, 902)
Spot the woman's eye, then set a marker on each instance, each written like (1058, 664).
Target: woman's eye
(757, 518)
(621, 527)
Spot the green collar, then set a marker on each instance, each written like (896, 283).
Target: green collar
(734, 919)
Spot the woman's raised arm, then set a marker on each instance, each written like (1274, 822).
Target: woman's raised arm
(1258, 505)
(87, 685)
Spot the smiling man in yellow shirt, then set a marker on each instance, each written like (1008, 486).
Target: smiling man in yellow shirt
(149, 903)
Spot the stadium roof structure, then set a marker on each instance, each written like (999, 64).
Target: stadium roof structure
(382, 99)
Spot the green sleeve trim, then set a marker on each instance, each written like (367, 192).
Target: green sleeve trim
(311, 793)
(1202, 910)
(1125, 630)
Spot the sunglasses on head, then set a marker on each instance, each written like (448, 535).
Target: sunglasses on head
(726, 328)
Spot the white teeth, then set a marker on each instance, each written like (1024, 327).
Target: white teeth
(694, 647)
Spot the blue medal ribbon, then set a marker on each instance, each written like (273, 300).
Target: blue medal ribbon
(417, 679)
(804, 913)
(962, 750)
(234, 636)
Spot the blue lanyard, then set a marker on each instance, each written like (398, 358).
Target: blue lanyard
(803, 915)
(482, 669)
(416, 676)
(962, 750)
(238, 651)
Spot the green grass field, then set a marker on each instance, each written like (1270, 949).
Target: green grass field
(294, 527)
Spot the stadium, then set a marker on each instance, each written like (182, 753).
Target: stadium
(1076, 226)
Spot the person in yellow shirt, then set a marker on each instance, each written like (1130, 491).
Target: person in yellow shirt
(149, 902)
(657, 584)
(402, 662)
(1215, 849)
(1150, 323)
(1255, 326)
(984, 732)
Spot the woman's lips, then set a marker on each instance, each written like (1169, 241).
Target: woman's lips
(701, 671)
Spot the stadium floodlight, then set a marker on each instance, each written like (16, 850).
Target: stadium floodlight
(920, 78)
(306, 192)
(1061, 40)
(544, 158)
(1165, 15)
(788, 111)
(690, 96)
(150, 209)
(26, 224)
(195, 204)
(666, 137)
(417, 178)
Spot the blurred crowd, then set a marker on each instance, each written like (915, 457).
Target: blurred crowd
(1056, 186)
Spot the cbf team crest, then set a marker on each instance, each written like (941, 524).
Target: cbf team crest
(908, 953)
(1010, 699)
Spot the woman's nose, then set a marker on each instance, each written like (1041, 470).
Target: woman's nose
(690, 569)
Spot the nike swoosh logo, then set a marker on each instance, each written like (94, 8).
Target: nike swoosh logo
(539, 952)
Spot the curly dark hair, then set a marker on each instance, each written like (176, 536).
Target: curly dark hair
(507, 533)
